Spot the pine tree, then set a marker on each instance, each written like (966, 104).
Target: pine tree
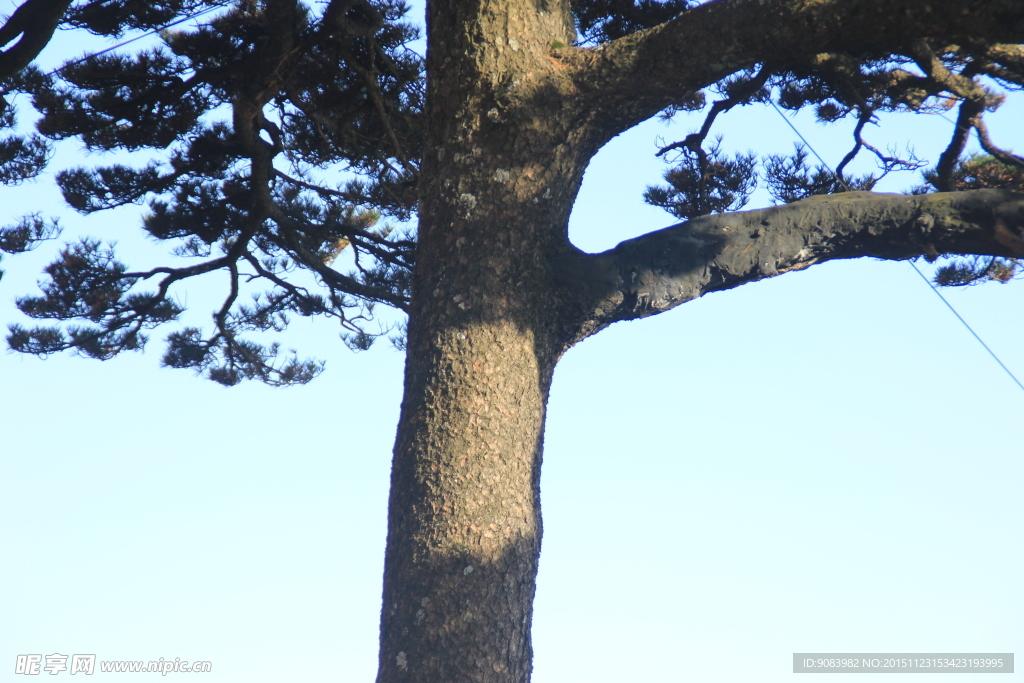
(285, 140)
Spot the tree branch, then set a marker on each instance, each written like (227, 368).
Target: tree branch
(35, 21)
(658, 271)
(633, 78)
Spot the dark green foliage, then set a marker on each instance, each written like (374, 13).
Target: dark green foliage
(706, 182)
(928, 79)
(228, 361)
(105, 188)
(115, 102)
(27, 233)
(252, 107)
(204, 209)
(87, 282)
(977, 269)
(22, 157)
(979, 172)
(599, 21)
(281, 138)
(115, 17)
(924, 78)
(984, 171)
(790, 178)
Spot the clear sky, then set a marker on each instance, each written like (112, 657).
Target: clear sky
(823, 462)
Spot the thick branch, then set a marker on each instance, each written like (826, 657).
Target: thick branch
(658, 271)
(631, 79)
(35, 22)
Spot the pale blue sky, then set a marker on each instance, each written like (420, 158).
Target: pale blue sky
(823, 462)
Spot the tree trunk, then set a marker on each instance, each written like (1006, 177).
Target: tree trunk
(464, 516)
(464, 527)
(499, 293)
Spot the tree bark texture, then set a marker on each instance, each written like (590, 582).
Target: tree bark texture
(464, 525)
(499, 293)
(658, 271)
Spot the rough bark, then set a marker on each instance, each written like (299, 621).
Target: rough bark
(499, 293)
(464, 524)
(633, 78)
(658, 271)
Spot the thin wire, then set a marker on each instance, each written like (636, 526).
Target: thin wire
(809, 146)
(969, 329)
(912, 264)
(216, 5)
(188, 17)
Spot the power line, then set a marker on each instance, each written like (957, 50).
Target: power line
(969, 329)
(187, 17)
(804, 140)
(912, 264)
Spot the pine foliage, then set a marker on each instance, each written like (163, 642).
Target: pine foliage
(976, 173)
(280, 141)
(284, 140)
